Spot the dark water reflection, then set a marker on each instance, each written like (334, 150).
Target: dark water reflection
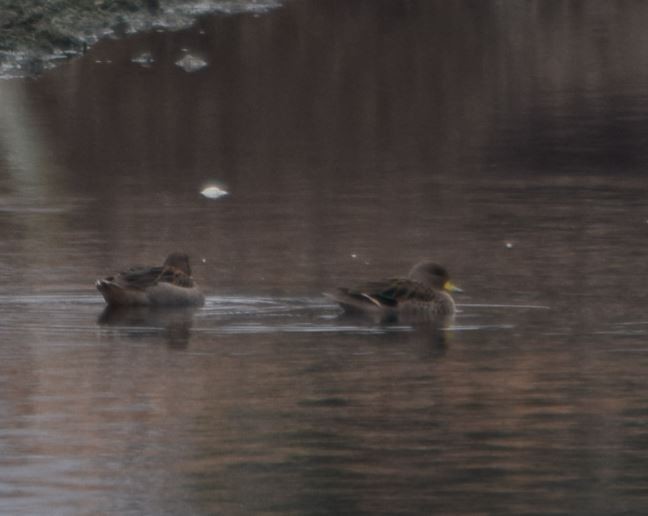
(504, 139)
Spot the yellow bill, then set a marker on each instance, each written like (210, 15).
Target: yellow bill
(451, 287)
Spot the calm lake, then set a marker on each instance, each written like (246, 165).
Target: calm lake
(506, 140)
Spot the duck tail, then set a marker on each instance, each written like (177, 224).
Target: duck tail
(112, 292)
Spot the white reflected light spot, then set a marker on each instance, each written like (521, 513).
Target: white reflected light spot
(213, 192)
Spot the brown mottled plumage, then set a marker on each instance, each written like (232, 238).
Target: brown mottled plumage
(168, 285)
(424, 291)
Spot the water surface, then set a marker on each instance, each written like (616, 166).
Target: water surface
(505, 140)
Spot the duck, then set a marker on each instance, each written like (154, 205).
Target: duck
(170, 284)
(425, 291)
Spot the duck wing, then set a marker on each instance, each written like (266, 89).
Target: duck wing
(139, 277)
(144, 277)
(389, 293)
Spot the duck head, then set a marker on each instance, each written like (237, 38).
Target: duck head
(433, 275)
(178, 261)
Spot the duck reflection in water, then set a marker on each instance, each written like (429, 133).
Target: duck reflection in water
(173, 324)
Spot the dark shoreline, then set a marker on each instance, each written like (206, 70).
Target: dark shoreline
(34, 36)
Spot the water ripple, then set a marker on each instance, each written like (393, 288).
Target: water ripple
(68, 313)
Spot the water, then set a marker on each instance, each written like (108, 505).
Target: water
(505, 140)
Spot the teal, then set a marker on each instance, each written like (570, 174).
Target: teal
(425, 290)
(168, 285)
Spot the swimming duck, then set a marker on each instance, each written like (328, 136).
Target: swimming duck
(168, 285)
(425, 291)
